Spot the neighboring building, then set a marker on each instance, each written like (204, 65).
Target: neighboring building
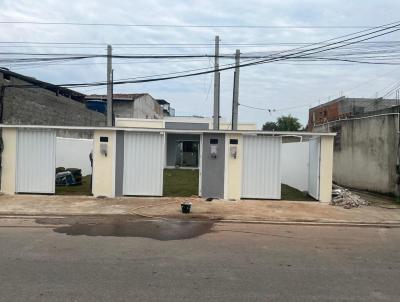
(132, 105)
(366, 150)
(34, 102)
(344, 107)
(167, 109)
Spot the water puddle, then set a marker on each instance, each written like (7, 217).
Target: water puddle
(158, 230)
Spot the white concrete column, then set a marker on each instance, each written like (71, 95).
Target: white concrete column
(326, 168)
(233, 167)
(9, 161)
(104, 165)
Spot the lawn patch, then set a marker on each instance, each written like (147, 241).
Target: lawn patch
(290, 193)
(83, 189)
(181, 182)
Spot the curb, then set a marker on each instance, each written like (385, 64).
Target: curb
(318, 223)
(388, 224)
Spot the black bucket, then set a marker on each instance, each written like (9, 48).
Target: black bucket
(186, 207)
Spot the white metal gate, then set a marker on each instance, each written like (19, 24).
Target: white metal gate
(261, 170)
(143, 164)
(314, 167)
(36, 160)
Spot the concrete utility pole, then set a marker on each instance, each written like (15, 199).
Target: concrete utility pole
(109, 86)
(112, 97)
(216, 86)
(235, 101)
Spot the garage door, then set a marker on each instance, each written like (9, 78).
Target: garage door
(313, 171)
(261, 171)
(143, 164)
(36, 160)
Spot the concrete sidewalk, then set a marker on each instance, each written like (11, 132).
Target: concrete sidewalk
(240, 211)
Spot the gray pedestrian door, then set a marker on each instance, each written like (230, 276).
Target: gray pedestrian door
(143, 164)
(261, 171)
(314, 167)
(36, 160)
(213, 165)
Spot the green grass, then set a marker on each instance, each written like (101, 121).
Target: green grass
(181, 182)
(83, 189)
(290, 193)
(178, 183)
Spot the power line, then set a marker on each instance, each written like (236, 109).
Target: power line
(252, 107)
(377, 32)
(191, 25)
(184, 44)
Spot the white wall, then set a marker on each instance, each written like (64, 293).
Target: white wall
(74, 153)
(139, 123)
(295, 165)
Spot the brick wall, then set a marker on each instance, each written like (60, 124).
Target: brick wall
(323, 114)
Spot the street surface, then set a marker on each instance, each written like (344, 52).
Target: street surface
(123, 259)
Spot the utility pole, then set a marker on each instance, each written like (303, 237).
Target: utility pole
(112, 97)
(109, 86)
(235, 101)
(216, 86)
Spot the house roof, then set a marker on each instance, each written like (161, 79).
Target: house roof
(77, 96)
(162, 102)
(116, 96)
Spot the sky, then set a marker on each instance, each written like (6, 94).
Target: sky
(283, 87)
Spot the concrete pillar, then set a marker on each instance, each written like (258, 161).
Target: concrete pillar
(326, 168)
(233, 166)
(9, 161)
(104, 165)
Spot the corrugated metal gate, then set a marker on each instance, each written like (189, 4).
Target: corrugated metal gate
(261, 170)
(36, 160)
(143, 164)
(314, 167)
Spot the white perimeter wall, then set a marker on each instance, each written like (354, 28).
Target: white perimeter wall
(74, 153)
(295, 165)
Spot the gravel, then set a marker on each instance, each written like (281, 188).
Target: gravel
(346, 199)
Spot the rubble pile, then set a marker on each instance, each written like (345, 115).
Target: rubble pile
(346, 199)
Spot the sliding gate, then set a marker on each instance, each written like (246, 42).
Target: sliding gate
(261, 171)
(314, 167)
(36, 160)
(143, 164)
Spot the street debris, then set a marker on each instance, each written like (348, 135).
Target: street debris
(346, 199)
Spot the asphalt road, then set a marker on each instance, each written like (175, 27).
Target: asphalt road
(127, 260)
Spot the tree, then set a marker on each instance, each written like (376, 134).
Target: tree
(288, 123)
(269, 126)
(284, 123)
